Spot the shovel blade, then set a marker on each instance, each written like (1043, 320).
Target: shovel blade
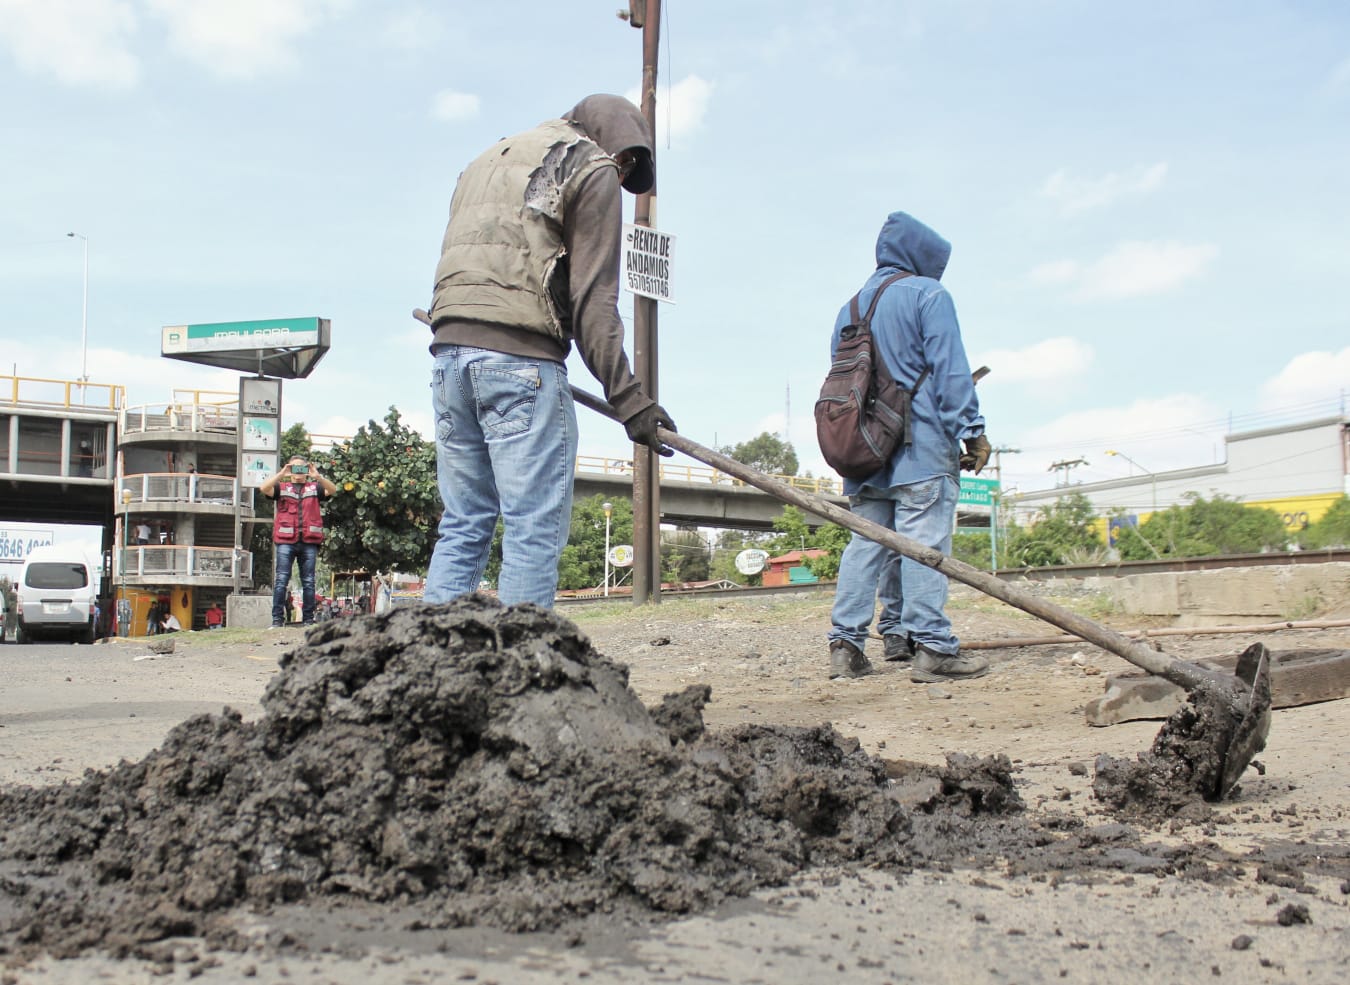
(1249, 736)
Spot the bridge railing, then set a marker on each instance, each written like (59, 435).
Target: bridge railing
(595, 465)
(599, 465)
(69, 394)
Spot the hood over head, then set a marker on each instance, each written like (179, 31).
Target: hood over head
(907, 243)
(617, 125)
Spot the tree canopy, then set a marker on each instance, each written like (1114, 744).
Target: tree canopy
(766, 453)
(1063, 532)
(387, 507)
(1206, 526)
(1332, 530)
(582, 564)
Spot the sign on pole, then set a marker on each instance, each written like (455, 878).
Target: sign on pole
(647, 256)
(977, 492)
(751, 561)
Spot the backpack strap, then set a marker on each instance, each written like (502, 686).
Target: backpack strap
(867, 319)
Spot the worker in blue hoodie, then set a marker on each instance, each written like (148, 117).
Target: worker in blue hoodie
(914, 330)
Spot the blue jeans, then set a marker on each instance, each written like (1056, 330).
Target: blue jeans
(506, 443)
(913, 595)
(308, 556)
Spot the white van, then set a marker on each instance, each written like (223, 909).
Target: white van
(57, 594)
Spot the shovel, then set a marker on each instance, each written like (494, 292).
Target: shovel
(1232, 711)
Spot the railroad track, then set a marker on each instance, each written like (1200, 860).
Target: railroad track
(1047, 573)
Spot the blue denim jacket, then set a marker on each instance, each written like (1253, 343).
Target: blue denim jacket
(915, 326)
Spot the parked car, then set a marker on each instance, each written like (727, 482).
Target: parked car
(57, 594)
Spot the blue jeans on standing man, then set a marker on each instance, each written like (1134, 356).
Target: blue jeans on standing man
(506, 443)
(308, 556)
(913, 595)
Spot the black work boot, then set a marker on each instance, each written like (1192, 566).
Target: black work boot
(846, 660)
(898, 647)
(931, 667)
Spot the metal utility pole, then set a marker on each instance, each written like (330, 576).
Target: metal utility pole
(1064, 467)
(646, 15)
(999, 452)
(84, 311)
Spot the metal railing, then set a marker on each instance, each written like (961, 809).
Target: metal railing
(178, 487)
(169, 561)
(69, 394)
(190, 410)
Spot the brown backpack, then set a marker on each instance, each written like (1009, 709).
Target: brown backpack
(862, 414)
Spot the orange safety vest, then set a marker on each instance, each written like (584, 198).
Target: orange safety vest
(298, 515)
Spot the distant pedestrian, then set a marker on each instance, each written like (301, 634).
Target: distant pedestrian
(142, 532)
(298, 490)
(215, 618)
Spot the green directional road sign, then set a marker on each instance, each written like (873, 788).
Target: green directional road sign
(977, 492)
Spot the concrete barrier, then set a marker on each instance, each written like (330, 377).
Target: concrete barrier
(248, 611)
(1232, 596)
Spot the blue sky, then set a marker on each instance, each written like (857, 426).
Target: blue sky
(1148, 203)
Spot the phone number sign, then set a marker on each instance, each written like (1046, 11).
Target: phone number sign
(647, 259)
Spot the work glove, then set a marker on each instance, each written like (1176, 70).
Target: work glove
(641, 428)
(976, 455)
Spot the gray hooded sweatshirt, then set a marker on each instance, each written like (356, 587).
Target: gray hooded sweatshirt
(585, 285)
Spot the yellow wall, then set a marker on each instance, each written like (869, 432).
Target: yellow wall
(141, 600)
(1299, 511)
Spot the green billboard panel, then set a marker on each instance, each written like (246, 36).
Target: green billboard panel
(287, 348)
(266, 333)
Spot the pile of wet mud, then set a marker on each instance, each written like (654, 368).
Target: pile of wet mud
(1198, 754)
(484, 760)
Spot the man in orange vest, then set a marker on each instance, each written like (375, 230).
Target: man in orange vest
(297, 532)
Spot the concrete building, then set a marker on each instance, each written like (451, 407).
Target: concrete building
(180, 509)
(1298, 470)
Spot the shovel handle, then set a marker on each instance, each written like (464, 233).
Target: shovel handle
(1180, 672)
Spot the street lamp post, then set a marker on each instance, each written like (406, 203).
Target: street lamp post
(1152, 476)
(84, 313)
(608, 507)
(122, 607)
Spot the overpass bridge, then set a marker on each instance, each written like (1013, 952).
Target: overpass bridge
(58, 444)
(696, 495)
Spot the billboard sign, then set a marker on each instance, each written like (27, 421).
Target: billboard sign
(288, 348)
(267, 333)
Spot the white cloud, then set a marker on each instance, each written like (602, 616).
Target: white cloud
(1307, 378)
(680, 109)
(242, 38)
(1083, 194)
(79, 42)
(449, 106)
(1050, 360)
(1130, 270)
